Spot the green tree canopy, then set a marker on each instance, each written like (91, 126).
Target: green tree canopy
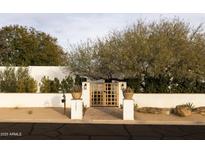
(167, 51)
(23, 46)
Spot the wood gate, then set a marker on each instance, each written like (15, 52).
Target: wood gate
(104, 94)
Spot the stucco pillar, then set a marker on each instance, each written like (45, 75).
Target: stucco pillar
(128, 109)
(76, 109)
(121, 86)
(86, 94)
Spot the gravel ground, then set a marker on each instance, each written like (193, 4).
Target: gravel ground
(102, 115)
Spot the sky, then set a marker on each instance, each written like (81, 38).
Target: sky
(73, 28)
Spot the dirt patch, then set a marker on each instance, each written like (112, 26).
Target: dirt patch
(98, 115)
(154, 110)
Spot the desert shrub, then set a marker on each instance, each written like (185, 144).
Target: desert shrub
(134, 83)
(162, 84)
(45, 85)
(78, 80)
(67, 84)
(136, 106)
(31, 86)
(49, 86)
(25, 83)
(190, 105)
(8, 80)
(17, 81)
(55, 85)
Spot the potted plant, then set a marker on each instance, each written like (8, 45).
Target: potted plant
(128, 93)
(76, 92)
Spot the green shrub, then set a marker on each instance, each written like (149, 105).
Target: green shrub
(163, 84)
(136, 106)
(17, 81)
(67, 84)
(55, 85)
(25, 83)
(31, 86)
(8, 81)
(49, 86)
(134, 83)
(45, 85)
(79, 80)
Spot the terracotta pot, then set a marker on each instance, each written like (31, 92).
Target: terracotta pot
(128, 95)
(76, 95)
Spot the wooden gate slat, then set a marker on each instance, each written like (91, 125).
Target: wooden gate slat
(104, 94)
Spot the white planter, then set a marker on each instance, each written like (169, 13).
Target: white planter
(128, 109)
(76, 109)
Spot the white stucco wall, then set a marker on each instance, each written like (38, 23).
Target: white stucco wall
(54, 100)
(168, 100)
(12, 100)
